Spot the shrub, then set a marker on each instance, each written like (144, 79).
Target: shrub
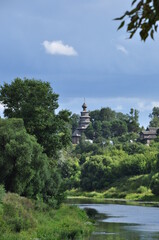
(17, 212)
(155, 184)
(2, 193)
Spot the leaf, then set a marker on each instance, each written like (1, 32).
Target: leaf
(133, 2)
(143, 34)
(121, 25)
(152, 34)
(156, 26)
(120, 18)
(132, 34)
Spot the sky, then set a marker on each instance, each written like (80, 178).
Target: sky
(76, 47)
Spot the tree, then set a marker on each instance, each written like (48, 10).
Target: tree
(133, 124)
(118, 128)
(24, 168)
(74, 121)
(35, 102)
(143, 16)
(154, 117)
(106, 114)
(96, 173)
(89, 132)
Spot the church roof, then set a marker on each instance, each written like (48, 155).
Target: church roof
(76, 133)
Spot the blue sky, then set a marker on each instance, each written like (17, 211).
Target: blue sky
(75, 46)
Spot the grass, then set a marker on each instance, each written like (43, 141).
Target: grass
(134, 188)
(42, 222)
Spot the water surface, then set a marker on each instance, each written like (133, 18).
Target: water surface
(118, 221)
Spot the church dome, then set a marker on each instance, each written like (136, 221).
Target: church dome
(84, 106)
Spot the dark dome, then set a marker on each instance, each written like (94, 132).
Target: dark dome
(84, 105)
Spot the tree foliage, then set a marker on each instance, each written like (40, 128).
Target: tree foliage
(24, 168)
(154, 117)
(35, 102)
(106, 123)
(143, 16)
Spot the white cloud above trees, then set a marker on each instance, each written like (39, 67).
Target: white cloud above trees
(122, 49)
(59, 48)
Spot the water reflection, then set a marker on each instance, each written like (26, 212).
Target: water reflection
(123, 222)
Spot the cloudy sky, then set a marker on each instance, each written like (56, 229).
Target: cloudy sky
(75, 46)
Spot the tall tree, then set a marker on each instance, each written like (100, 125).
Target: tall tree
(154, 117)
(133, 121)
(35, 102)
(143, 16)
(24, 168)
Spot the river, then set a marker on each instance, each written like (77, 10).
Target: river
(121, 221)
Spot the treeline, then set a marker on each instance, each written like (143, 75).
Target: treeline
(116, 152)
(94, 168)
(37, 159)
(107, 124)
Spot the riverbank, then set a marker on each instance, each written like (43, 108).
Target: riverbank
(125, 189)
(23, 219)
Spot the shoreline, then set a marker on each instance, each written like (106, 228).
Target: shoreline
(156, 203)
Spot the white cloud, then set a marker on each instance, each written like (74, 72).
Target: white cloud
(59, 48)
(122, 49)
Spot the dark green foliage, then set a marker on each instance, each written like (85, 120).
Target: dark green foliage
(134, 148)
(143, 16)
(106, 123)
(118, 128)
(21, 156)
(154, 117)
(133, 165)
(133, 121)
(2, 193)
(74, 121)
(95, 173)
(89, 132)
(24, 168)
(70, 172)
(35, 102)
(155, 184)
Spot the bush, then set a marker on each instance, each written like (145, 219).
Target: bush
(2, 193)
(155, 184)
(17, 212)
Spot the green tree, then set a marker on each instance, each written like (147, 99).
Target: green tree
(106, 114)
(24, 168)
(143, 16)
(95, 173)
(106, 129)
(118, 128)
(154, 117)
(133, 123)
(70, 172)
(74, 121)
(35, 102)
(89, 132)
(155, 184)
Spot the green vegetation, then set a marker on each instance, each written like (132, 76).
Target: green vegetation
(35, 102)
(143, 16)
(38, 162)
(23, 219)
(117, 164)
(126, 188)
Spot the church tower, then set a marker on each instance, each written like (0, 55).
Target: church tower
(83, 124)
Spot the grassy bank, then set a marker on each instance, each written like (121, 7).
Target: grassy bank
(23, 219)
(128, 188)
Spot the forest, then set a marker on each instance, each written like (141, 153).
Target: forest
(40, 167)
